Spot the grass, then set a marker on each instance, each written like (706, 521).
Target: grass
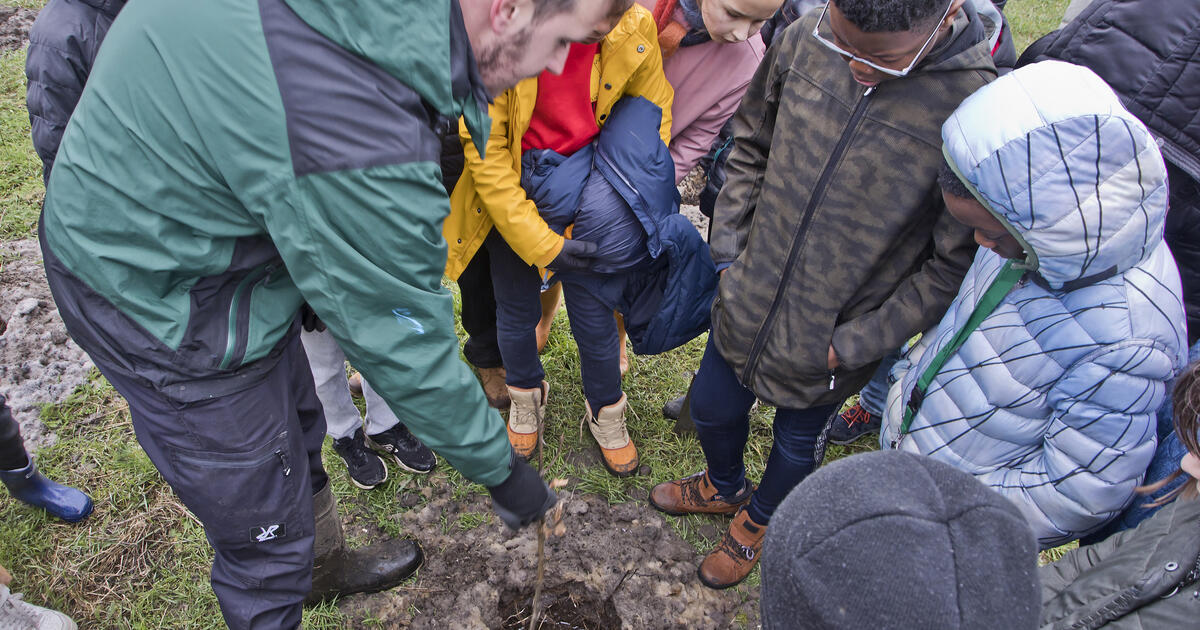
(140, 561)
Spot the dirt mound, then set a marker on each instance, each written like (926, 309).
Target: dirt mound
(14, 26)
(38, 361)
(619, 566)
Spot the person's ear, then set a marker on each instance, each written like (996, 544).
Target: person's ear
(955, 8)
(506, 13)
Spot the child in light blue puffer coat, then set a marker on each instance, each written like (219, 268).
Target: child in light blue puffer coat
(1044, 377)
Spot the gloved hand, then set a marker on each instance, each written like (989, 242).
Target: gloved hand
(575, 255)
(522, 498)
(309, 320)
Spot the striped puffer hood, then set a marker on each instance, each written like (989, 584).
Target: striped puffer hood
(1057, 168)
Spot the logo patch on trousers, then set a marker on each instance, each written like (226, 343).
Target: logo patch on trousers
(267, 533)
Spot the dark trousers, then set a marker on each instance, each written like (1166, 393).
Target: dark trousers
(246, 464)
(517, 288)
(12, 448)
(720, 408)
(479, 312)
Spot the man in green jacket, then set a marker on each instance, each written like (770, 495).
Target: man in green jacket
(231, 160)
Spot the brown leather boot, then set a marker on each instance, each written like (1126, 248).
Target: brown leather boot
(696, 495)
(736, 554)
(354, 382)
(494, 388)
(339, 571)
(621, 345)
(551, 301)
(619, 454)
(526, 413)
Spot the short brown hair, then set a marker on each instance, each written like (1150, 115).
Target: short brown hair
(1185, 405)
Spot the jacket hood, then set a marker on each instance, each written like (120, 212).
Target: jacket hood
(421, 42)
(968, 48)
(1076, 178)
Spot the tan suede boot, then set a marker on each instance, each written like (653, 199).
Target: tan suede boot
(525, 416)
(494, 388)
(735, 556)
(551, 302)
(608, 427)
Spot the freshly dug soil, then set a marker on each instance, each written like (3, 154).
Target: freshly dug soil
(14, 26)
(39, 363)
(619, 566)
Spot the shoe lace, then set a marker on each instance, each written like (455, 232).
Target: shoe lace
(354, 452)
(856, 415)
(690, 489)
(736, 550)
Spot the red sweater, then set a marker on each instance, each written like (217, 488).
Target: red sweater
(564, 118)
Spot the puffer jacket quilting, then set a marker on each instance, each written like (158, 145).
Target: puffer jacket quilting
(1052, 400)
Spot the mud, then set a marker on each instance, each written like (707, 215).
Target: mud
(39, 363)
(619, 566)
(14, 27)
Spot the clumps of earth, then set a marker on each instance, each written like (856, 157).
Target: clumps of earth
(14, 26)
(618, 566)
(39, 363)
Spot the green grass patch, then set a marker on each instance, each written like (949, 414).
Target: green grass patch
(21, 189)
(1030, 19)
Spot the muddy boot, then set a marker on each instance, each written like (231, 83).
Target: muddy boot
(527, 409)
(494, 388)
(617, 450)
(30, 486)
(339, 571)
(551, 301)
(736, 554)
(696, 495)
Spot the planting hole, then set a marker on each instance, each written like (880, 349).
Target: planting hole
(567, 606)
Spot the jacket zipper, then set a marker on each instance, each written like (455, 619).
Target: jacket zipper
(247, 285)
(760, 339)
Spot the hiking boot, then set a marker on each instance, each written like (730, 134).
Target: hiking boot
(18, 613)
(494, 387)
(366, 468)
(551, 301)
(525, 418)
(852, 424)
(617, 451)
(339, 571)
(30, 486)
(735, 556)
(354, 382)
(409, 453)
(696, 495)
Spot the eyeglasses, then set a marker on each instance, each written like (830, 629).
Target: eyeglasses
(889, 71)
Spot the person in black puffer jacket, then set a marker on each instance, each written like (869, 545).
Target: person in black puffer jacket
(1153, 65)
(63, 44)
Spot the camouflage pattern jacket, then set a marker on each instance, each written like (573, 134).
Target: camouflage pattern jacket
(831, 220)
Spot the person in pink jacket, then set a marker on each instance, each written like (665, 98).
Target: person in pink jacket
(711, 49)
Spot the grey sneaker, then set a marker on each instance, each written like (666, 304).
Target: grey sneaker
(19, 614)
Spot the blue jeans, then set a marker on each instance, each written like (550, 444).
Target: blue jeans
(518, 309)
(1166, 461)
(720, 407)
(873, 397)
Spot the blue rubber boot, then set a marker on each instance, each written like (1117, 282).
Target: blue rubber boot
(30, 486)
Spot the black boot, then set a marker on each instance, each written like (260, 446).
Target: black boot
(339, 571)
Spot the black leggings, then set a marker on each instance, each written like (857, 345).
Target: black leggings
(12, 449)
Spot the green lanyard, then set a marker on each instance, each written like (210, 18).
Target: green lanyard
(1007, 279)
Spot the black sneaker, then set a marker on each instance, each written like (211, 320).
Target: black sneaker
(852, 424)
(409, 452)
(366, 468)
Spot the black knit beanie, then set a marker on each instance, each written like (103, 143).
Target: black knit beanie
(896, 540)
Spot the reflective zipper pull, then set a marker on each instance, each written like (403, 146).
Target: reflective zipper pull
(287, 469)
(832, 379)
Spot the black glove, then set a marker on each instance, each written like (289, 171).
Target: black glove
(522, 498)
(575, 255)
(309, 320)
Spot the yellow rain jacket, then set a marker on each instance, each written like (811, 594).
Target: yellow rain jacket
(489, 191)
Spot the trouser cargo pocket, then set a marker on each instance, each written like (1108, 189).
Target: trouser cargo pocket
(243, 499)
